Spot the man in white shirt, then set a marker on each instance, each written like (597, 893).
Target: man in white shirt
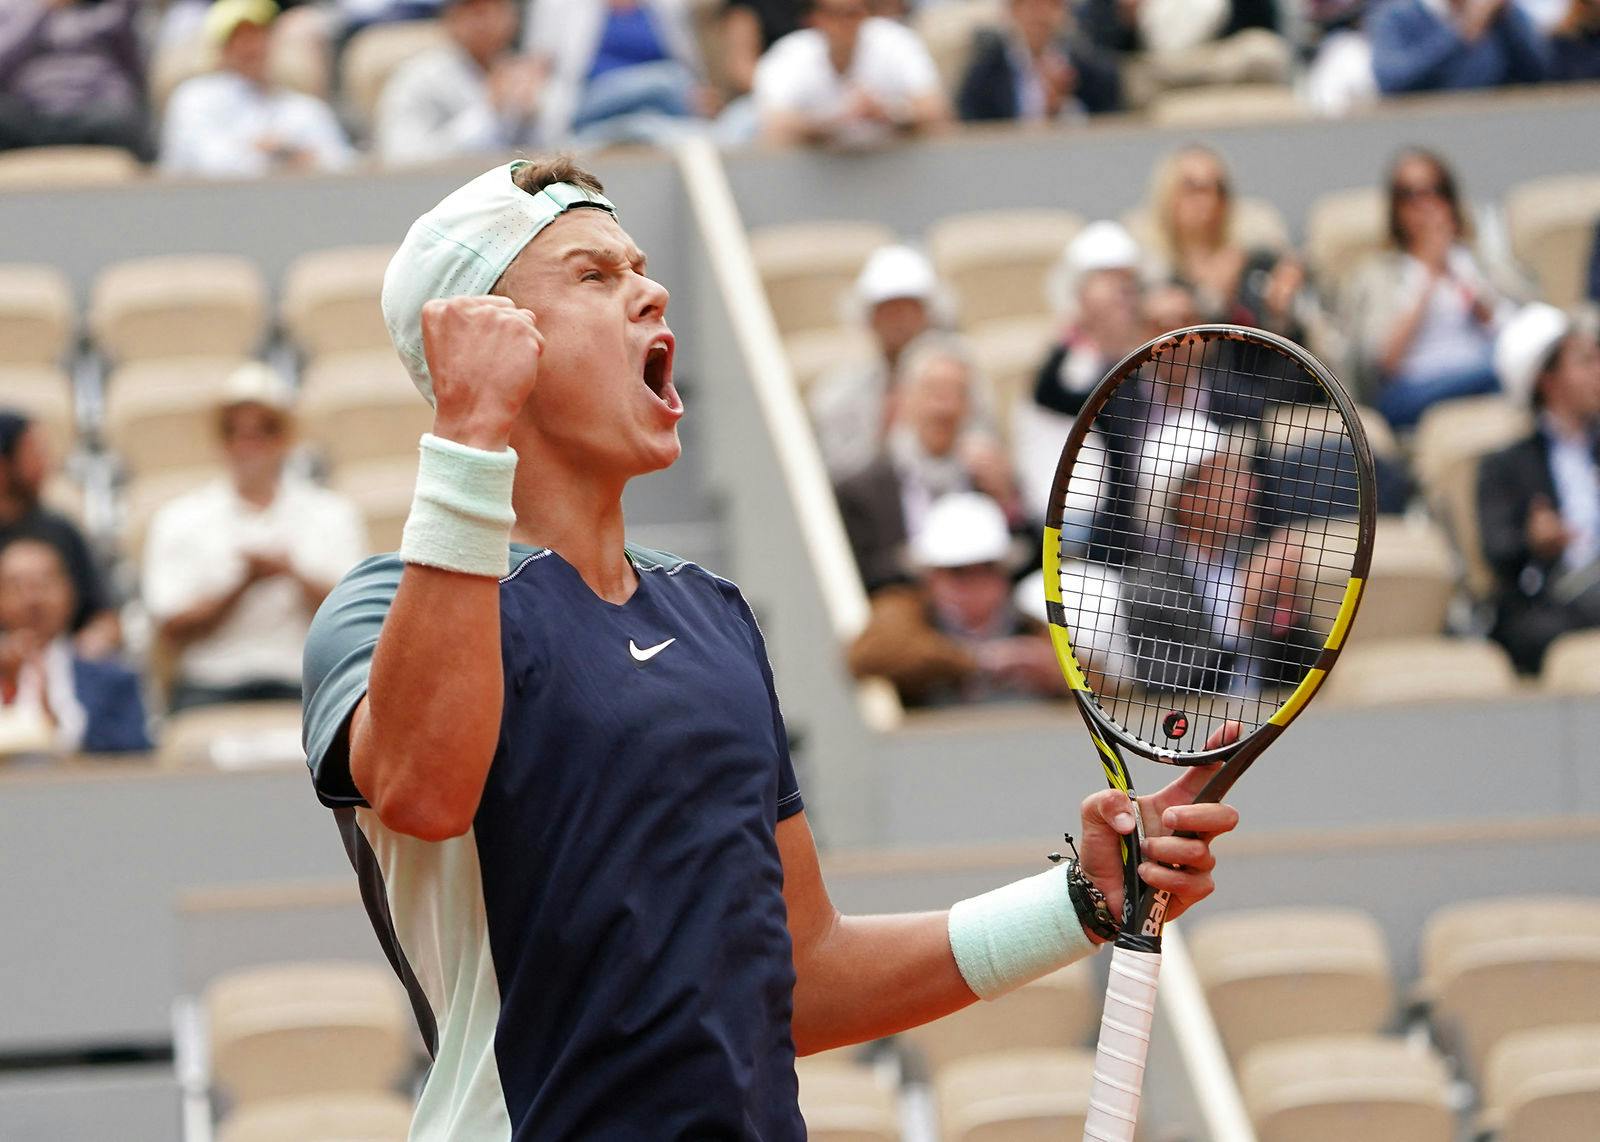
(470, 94)
(849, 79)
(235, 122)
(234, 571)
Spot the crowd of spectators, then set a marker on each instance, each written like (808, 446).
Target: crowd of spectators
(265, 88)
(1429, 319)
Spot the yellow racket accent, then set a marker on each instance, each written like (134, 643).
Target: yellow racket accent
(1347, 611)
(1116, 772)
(1302, 694)
(1052, 564)
(1062, 641)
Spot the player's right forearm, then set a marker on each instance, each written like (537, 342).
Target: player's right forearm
(423, 739)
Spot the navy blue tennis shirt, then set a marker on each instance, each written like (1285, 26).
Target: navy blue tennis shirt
(605, 953)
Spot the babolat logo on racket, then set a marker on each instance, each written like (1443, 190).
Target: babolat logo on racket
(1175, 724)
(1158, 915)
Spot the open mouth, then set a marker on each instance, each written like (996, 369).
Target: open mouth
(657, 372)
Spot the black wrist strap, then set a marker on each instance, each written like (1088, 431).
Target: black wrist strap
(1088, 901)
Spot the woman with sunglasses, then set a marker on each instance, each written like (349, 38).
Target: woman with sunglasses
(1427, 311)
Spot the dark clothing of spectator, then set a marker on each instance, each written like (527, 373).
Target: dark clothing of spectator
(72, 75)
(1594, 267)
(874, 517)
(1575, 58)
(114, 714)
(1415, 48)
(1108, 23)
(1534, 605)
(88, 581)
(777, 17)
(989, 90)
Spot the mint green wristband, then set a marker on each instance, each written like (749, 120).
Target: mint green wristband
(461, 513)
(1017, 933)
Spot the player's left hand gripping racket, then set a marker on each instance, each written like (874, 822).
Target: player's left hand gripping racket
(1209, 532)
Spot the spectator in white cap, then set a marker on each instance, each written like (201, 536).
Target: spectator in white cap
(897, 297)
(236, 122)
(1208, 590)
(935, 445)
(234, 570)
(1539, 499)
(958, 636)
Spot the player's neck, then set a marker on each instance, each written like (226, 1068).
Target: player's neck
(578, 518)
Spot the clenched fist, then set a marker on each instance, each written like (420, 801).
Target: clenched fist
(483, 353)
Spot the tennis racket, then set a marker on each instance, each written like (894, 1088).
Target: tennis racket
(1209, 531)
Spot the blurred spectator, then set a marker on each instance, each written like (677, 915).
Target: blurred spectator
(1594, 266)
(1339, 77)
(1036, 68)
(1192, 198)
(1575, 42)
(471, 94)
(358, 14)
(956, 636)
(1426, 311)
(72, 72)
(848, 78)
(1098, 294)
(749, 28)
(1190, 42)
(933, 448)
(80, 704)
(234, 571)
(1539, 500)
(1440, 45)
(898, 298)
(25, 465)
(236, 122)
(620, 70)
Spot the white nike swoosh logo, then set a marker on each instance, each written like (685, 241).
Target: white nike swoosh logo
(648, 652)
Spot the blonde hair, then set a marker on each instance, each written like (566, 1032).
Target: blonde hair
(1164, 193)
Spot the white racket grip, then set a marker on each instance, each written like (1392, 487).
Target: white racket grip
(1124, 1043)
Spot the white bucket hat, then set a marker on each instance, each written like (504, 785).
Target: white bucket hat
(1525, 345)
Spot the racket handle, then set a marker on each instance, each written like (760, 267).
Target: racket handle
(1124, 1043)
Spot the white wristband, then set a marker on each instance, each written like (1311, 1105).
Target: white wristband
(1017, 933)
(461, 514)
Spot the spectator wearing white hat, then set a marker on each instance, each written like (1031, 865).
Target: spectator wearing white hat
(236, 122)
(234, 570)
(936, 445)
(1539, 499)
(957, 636)
(898, 298)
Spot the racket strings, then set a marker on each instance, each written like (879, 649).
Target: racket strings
(1225, 530)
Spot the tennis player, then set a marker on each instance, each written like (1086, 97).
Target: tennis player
(557, 759)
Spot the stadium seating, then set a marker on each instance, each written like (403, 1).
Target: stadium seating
(362, 406)
(1544, 1085)
(44, 392)
(996, 262)
(382, 490)
(1400, 671)
(1015, 1096)
(357, 1116)
(331, 300)
(846, 1102)
(232, 735)
(1491, 967)
(1228, 103)
(1409, 585)
(1281, 973)
(1343, 229)
(1008, 354)
(308, 1028)
(178, 305)
(372, 56)
(819, 351)
(1055, 1012)
(809, 267)
(1572, 664)
(1338, 1088)
(36, 315)
(145, 493)
(948, 31)
(161, 414)
(50, 168)
(1552, 223)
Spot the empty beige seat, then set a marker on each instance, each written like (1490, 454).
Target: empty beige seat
(36, 315)
(809, 267)
(1552, 222)
(52, 168)
(997, 262)
(948, 30)
(1410, 581)
(44, 393)
(1285, 972)
(1491, 967)
(846, 1102)
(814, 354)
(373, 55)
(1544, 1085)
(1344, 1088)
(362, 406)
(1397, 672)
(1343, 229)
(1572, 664)
(331, 300)
(1228, 103)
(179, 305)
(1257, 224)
(382, 491)
(1057, 1011)
(162, 414)
(307, 1028)
(146, 494)
(233, 736)
(1008, 354)
(350, 1116)
(1016, 1096)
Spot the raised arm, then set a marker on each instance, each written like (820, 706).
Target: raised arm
(422, 739)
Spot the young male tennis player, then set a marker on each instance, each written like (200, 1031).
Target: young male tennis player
(557, 760)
